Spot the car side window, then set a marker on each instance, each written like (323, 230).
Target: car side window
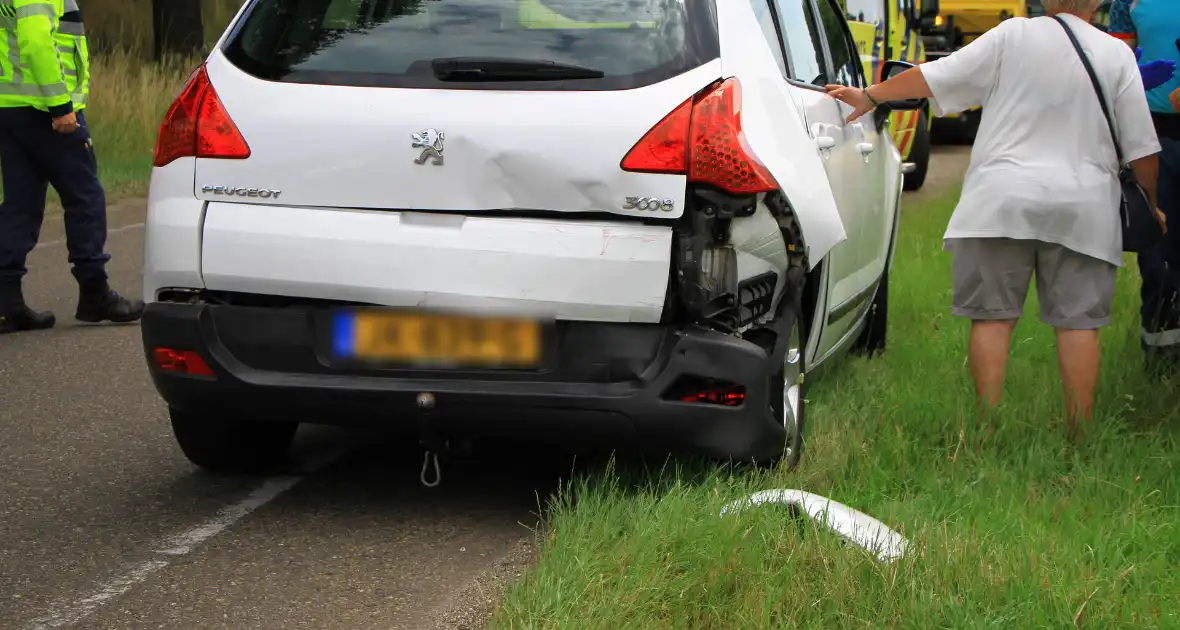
(857, 68)
(770, 32)
(804, 41)
(845, 60)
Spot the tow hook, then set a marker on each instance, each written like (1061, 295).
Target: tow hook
(430, 442)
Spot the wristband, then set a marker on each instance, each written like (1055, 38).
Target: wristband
(872, 101)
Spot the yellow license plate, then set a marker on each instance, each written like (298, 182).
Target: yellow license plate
(446, 340)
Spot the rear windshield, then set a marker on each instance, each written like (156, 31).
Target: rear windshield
(392, 43)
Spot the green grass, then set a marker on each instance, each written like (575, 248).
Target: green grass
(1011, 530)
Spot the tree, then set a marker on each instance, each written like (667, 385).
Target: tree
(177, 27)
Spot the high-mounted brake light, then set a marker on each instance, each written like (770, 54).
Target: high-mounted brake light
(197, 125)
(703, 139)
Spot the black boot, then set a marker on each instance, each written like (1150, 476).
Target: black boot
(98, 303)
(15, 315)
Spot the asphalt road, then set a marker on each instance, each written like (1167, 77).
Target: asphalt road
(104, 524)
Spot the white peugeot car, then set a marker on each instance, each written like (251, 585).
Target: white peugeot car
(633, 220)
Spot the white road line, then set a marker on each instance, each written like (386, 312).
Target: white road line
(175, 546)
(122, 228)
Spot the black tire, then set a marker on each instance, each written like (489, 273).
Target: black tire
(960, 130)
(919, 154)
(230, 445)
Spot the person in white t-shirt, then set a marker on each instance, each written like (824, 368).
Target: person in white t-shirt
(1041, 193)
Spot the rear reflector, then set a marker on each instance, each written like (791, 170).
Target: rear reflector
(703, 139)
(726, 397)
(692, 389)
(197, 125)
(181, 362)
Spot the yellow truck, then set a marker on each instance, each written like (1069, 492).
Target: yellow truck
(957, 24)
(890, 29)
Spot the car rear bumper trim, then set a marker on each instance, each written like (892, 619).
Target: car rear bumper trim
(607, 382)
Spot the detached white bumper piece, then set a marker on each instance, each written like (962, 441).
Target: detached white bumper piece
(855, 527)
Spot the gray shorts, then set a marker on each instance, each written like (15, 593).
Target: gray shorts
(991, 277)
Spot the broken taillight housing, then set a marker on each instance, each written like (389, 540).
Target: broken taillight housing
(703, 139)
(197, 125)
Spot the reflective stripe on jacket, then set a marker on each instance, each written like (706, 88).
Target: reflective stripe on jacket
(75, 53)
(31, 70)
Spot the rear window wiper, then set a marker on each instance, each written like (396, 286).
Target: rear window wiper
(508, 69)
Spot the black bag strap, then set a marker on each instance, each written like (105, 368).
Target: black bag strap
(1118, 151)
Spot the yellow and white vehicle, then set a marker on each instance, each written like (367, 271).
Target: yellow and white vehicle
(890, 29)
(957, 24)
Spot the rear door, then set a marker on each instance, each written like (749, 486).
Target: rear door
(851, 281)
(344, 103)
(809, 69)
(879, 154)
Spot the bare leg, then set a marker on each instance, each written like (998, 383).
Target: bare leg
(1078, 357)
(988, 356)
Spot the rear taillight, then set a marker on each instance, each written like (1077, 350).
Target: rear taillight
(197, 125)
(703, 139)
(708, 391)
(726, 397)
(181, 362)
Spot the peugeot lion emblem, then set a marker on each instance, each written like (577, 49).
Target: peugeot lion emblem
(431, 143)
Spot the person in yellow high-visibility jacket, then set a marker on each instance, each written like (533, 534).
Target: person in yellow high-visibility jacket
(44, 85)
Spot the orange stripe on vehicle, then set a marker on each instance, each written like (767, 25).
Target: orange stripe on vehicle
(909, 120)
(906, 141)
(898, 127)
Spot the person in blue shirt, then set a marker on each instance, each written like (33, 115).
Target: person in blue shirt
(1152, 27)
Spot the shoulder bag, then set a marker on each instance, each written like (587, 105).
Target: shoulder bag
(1141, 229)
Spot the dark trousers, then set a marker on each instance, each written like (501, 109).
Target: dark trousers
(33, 156)
(1160, 268)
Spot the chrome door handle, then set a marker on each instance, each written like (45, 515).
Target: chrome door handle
(825, 144)
(865, 149)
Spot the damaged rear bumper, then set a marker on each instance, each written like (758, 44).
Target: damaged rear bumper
(618, 384)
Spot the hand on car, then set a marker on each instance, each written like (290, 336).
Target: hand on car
(855, 97)
(1155, 73)
(66, 124)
